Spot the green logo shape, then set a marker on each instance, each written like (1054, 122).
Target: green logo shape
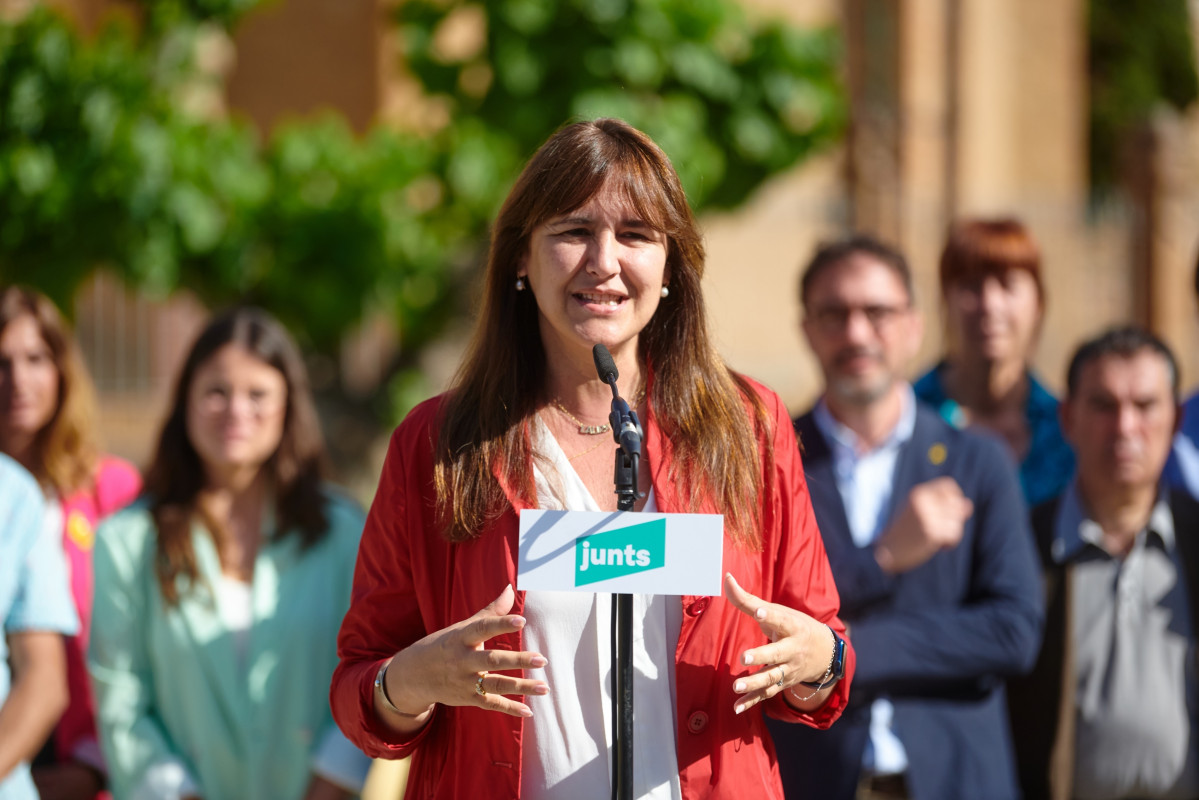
(611, 554)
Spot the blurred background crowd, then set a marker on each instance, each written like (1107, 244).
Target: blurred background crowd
(338, 164)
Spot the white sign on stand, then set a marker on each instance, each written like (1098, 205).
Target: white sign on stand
(620, 551)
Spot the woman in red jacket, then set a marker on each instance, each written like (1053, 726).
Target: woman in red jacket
(47, 419)
(503, 693)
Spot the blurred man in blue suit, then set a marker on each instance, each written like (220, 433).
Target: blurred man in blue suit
(928, 538)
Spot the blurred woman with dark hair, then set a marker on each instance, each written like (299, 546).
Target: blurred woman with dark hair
(505, 693)
(994, 301)
(47, 424)
(218, 596)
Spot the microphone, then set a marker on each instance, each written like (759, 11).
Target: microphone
(605, 366)
(626, 428)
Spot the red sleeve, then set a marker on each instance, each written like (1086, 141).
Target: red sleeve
(802, 576)
(384, 615)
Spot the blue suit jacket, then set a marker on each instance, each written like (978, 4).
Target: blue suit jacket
(937, 640)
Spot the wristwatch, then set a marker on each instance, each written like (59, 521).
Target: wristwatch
(836, 667)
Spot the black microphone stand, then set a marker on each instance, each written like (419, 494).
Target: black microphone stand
(626, 430)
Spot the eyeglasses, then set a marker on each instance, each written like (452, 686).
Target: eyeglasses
(835, 318)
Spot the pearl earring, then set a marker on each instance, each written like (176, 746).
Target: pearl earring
(520, 284)
(665, 291)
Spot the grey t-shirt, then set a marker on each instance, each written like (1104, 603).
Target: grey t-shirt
(1135, 661)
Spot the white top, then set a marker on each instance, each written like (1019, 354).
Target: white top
(567, 748)
(235, 604)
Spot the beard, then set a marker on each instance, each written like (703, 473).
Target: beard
(859, 390)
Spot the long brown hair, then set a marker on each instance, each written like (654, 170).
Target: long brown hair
(698, 402)
(64, 450)
(176, 474)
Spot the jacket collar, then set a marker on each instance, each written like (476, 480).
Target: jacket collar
(1075, 530)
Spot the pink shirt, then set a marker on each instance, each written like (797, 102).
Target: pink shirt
(116, 485)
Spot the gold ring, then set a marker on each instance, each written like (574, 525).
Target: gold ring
(479, 690)
(782, 676)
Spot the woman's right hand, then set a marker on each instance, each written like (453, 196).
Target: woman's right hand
(445, 667)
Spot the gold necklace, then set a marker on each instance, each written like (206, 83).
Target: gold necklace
(589, 430)
(593, 430)
(589, 450)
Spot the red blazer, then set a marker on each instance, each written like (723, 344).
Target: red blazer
(411, 581)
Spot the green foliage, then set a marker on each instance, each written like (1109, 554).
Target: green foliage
(730, 102)
(85, 167)
(101, 165)
(164, 16)
(1141, 56)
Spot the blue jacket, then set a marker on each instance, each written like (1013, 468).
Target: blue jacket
(1182, 470)
(937, 640)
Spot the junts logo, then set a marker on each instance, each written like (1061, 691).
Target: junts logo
(611, 554)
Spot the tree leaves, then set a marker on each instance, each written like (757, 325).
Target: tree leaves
(756, 98)
(99, 166)
(1141, 55)
(103, 164)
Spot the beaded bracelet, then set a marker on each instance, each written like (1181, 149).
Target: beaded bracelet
(828, 673)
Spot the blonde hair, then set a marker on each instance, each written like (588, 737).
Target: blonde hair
(64, 451)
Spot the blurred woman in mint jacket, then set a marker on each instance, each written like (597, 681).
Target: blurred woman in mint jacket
(219, 594)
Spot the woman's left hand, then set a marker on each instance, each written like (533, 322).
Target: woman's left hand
(799, 648)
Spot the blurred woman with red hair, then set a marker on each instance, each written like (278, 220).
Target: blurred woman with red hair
(994, 302)
(47, 424)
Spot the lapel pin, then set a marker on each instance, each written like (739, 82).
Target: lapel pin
(937, 454)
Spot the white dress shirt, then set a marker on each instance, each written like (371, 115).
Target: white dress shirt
(865, 479)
